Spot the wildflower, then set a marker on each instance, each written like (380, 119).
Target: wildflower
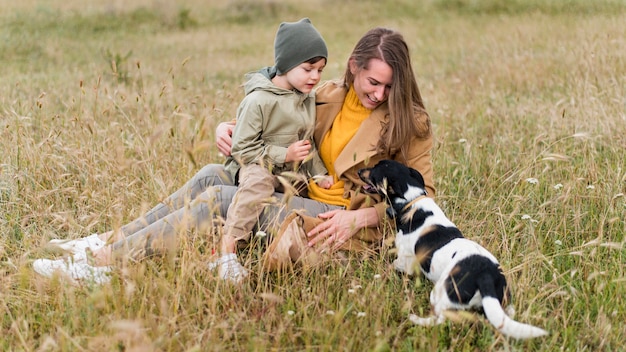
(354, 288)
(527, 217)
(558, 186)
(532, 180)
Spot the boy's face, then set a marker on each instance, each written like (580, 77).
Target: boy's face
(305, 76)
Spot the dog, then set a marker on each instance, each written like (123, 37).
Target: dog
(465, 274)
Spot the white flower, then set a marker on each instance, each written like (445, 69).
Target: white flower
(558, 186)
(532, 180)
(527, 217)
(360, 314)
(558, 242)
(291, 312)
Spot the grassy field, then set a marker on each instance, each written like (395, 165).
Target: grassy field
(106, 108)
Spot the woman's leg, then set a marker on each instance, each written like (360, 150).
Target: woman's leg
(158, 237)
(273, 215)
(209, 175)
(161, 236)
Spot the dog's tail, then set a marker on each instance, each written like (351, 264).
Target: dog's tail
(498, 318)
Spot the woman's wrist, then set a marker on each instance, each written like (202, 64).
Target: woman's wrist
(367, 217)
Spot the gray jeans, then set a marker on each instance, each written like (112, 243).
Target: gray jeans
(195, 206)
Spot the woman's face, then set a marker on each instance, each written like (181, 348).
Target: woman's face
(372, 83)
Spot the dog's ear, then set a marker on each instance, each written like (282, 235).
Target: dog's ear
(417, 176)
(393, 187)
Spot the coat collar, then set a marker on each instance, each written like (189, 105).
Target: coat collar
(329, 100)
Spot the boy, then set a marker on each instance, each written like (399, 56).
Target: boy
(273, 134)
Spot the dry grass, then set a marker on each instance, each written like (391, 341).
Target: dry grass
(529, 90)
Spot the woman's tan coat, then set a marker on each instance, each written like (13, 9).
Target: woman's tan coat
(361, 152)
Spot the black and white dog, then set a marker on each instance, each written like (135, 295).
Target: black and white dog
(465, 274)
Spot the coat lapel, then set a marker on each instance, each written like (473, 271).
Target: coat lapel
(362, 146)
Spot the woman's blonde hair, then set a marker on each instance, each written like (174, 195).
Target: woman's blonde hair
(408, 117)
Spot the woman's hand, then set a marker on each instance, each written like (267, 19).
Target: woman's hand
(223, 137)
(340, 226)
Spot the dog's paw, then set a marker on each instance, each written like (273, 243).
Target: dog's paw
(404, 265)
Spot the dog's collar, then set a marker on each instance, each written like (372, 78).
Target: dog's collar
(411, 203)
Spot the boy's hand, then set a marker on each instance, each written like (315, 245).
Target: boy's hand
(298, 151)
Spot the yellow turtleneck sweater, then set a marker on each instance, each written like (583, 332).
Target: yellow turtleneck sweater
(341, 132)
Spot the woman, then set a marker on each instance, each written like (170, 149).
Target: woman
(375, 112)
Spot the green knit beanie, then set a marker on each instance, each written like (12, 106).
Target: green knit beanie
(295, 43)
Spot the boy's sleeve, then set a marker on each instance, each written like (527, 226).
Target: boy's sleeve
(248, 146)
(317, 165)
(247, 143)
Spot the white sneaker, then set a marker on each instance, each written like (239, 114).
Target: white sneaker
(79, 245)
(228, 268)
(77, 271)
